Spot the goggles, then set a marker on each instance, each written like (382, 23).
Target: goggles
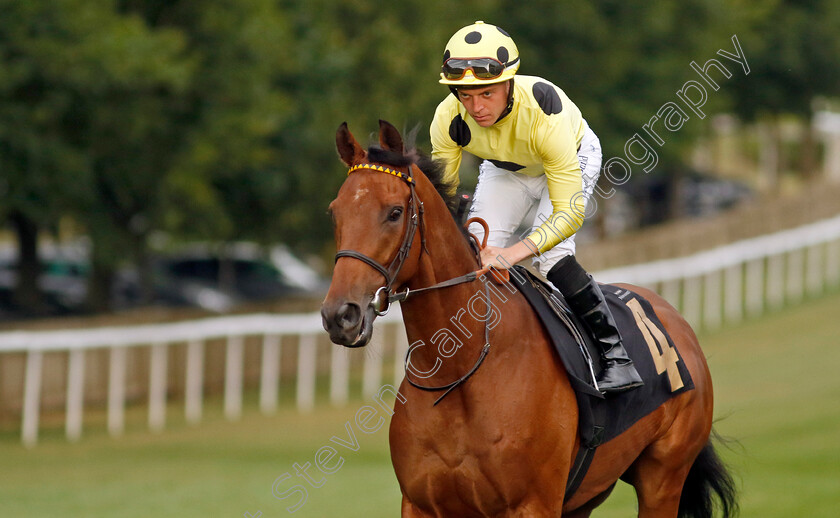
(482, 68)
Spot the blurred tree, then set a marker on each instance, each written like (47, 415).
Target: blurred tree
(792, 46)
(131, 111)
(223, 184)
(357, 61)
(73, 72)
(214, 119)
(621, 61)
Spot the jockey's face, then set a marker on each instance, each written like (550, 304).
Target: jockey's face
(485, 104)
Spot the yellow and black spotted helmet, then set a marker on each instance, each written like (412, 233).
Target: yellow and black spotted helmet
(479, 54)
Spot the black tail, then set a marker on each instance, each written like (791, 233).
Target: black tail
(708, 478)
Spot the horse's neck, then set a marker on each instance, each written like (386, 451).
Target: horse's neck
(447, 319)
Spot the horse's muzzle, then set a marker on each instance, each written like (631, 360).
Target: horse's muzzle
(348, 325)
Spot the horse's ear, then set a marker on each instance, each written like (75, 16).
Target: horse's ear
(349, 149)
(390, 138)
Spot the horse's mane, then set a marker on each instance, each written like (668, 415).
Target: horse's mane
(433, 169)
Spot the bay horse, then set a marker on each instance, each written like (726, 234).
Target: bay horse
(501, 443)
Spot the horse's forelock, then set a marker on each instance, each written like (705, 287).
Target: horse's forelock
(433, 169)
(388, 157)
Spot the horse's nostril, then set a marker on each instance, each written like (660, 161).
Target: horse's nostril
(348, 315)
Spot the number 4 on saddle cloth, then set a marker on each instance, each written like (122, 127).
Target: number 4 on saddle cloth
(648, 345)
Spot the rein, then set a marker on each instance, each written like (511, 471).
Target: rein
(382, 299)
(449, 387)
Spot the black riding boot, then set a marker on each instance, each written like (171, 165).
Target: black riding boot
(587, 302)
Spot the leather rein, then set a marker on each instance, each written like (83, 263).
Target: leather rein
(384, 296)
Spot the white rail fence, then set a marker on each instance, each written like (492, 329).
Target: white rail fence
(194, 335)
(745, 278)
(726, 284)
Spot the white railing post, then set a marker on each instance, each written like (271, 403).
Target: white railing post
(775, 281)
(372, 370)
(75, 394)
(671, 292)
(754, 287)
(814, 279)
(234, 364)
(116, 391)
(691, 300)
(795, 276)
(32, 397)
(307, 351)
(270, 374)
(832, 264)
(194, 381)
(157, 387)
(733, 297)
(339, 375)
(712, 300)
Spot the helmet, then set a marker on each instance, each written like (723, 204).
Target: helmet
(479, 54)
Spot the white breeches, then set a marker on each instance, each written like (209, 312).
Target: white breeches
(504, 199)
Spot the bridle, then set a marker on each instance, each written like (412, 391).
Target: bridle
(383, 297)
(381, 301)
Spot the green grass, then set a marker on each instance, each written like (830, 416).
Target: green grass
(219, 468)
(777, 395)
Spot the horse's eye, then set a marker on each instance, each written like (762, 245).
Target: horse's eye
(395, 214)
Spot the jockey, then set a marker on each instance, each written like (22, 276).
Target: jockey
(537, 151)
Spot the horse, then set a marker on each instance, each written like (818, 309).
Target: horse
(502, 441)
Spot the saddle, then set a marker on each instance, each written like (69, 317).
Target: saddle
(653, 352)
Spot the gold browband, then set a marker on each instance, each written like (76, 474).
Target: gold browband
(383, 169)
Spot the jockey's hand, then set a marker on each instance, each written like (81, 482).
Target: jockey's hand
(493, 255)
(503, 258)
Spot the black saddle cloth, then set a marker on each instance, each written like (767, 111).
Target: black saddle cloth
(653, 353)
